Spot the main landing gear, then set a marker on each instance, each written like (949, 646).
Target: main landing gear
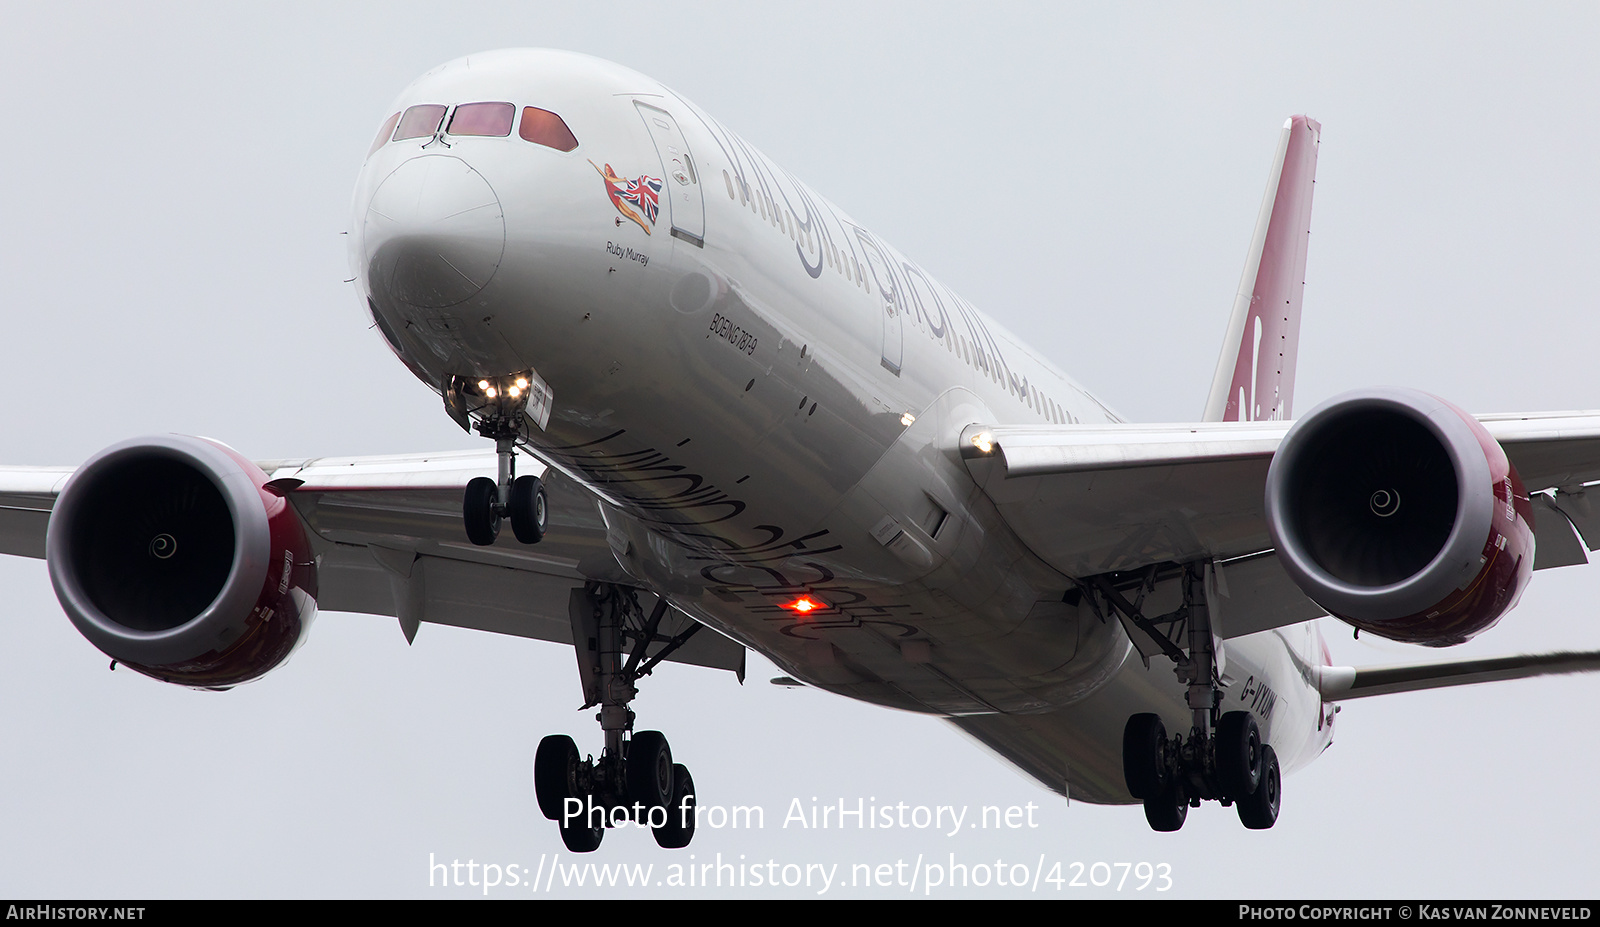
(635, 780)
(1222, 758)
(499, 404)
(1231, 765)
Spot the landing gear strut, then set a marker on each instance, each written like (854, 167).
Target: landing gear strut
(499, 405)
(1222, 758)
(635, 779)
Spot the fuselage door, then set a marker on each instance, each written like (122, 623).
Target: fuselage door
(892, 301)
(682, 184)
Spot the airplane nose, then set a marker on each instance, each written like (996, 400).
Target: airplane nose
(434, 233)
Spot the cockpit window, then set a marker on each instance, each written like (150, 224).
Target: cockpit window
(420, 121)
(543, 127)
(483, 119)
(383, 133)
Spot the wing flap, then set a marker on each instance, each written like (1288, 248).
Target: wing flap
(22, 530)
(27, 494)
(1579, 508)
(436, 588)
(1555, 542)
(1255, 594)
(391, 543)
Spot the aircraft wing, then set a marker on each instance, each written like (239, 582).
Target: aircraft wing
(1096, 499)
(388, 537)
(1338, 683)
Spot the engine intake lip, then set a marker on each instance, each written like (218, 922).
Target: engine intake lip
(1413, 581)
(83, 588)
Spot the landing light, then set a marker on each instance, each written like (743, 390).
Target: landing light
(906, 418)
(983, 441)
(501, 402)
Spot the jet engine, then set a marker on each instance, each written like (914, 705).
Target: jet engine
(1399, 514)
(171, 556)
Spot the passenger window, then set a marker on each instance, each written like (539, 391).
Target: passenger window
(543, 127)
(491, 119)
(384, 133)
(420, 121)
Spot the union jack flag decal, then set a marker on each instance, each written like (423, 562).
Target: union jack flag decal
(644, 193)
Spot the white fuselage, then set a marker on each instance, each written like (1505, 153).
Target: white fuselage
(766, 399)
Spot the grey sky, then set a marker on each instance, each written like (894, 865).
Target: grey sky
(174, 187)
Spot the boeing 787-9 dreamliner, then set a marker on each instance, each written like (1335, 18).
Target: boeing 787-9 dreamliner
(719, 415)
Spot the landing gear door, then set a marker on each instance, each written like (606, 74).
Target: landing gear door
(682, 185)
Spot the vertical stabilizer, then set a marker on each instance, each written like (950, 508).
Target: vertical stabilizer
(1255, 374)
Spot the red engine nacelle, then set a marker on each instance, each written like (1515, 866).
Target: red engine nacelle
(1399, 514)
(169, 555)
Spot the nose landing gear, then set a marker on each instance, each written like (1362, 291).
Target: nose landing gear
(499, 405)
(634, 780)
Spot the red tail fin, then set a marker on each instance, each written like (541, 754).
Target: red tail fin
(1255, 374)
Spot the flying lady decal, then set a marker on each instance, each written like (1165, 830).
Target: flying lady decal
(644, 193)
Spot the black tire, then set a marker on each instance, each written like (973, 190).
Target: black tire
(679, 829)
(529, 510)
(582, 839)
(1238, 744)
(477, 511)
(555, 774)
(1143, 767)
(1167, 811)
(1260, 810)
(649, 770)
